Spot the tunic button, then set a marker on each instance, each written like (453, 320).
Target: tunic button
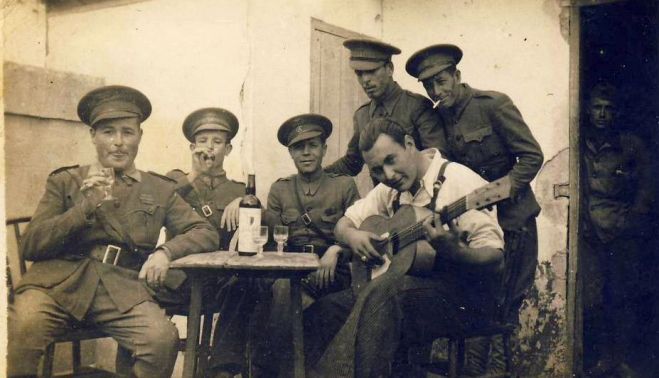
(594, 175)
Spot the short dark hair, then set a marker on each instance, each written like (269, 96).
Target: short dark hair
(378, 126)
(604, 91)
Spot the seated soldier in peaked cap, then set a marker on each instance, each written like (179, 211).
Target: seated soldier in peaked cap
(93, 242)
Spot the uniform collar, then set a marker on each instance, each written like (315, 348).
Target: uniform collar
(461, 102)
(131, 172)
(389, 101)
(612, 141)
(317, 179)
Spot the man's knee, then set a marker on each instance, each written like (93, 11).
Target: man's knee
(161, 337)
(32, 321)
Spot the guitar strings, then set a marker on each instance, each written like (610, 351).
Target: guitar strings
(458, 207)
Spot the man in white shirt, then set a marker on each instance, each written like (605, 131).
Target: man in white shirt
(362, 335)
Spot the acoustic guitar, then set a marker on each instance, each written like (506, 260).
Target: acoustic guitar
(404, 248)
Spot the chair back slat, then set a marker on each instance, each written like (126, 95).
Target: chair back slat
(16, 262)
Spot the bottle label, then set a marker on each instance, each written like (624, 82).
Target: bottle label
(247, 221)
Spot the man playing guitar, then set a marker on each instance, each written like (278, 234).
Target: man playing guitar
(361, 332)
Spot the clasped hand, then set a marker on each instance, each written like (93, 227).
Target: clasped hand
(154, 270)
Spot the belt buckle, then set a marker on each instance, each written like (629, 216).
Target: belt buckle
(306, 219)
(308, 248)
(112, 248)
(207, 211)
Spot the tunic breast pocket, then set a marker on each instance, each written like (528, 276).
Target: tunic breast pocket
(484, 148)
(144, 223)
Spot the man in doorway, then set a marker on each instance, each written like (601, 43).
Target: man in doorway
(93, 242)
(485, 131)
(368, 333)
(617, 229)
(371, 61)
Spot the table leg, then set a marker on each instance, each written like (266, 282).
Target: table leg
(296, 316)
(194, 314)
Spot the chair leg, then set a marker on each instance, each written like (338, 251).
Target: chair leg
(123, 363)
(452, 358)
(204, 347)
(49, 355)
(76, 356)
(508, 354)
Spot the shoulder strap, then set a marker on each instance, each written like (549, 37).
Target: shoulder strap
(306, 219)
(437, 186)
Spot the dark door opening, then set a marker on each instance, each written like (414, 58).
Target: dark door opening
(618, 241)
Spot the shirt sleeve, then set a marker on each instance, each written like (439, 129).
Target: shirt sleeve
(481, 226)
(375, 203)
(510, 126)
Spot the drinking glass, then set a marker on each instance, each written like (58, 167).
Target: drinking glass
(260, 237)
(109, 176)
(280, 235)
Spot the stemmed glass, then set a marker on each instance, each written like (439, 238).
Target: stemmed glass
(260, 237)
(109, 176)
(280, 235)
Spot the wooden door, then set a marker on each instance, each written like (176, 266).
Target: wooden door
(335, 92)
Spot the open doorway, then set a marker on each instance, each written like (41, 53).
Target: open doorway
(619, 130)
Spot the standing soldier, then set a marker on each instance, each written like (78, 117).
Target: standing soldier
(371, 61)
(485, 131)
(93, 242)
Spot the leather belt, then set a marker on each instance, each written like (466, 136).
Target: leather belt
(116, 255)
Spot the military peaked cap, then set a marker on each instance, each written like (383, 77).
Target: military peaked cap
(114, 101)
(432, 60)
(368, 54)
(210, 119)
(304, 126)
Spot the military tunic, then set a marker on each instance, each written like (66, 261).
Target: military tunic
(412, 111)
(330, 196)
(485, 131)
(60, 236)
(215, 193)
(618, 262)
(68, 282)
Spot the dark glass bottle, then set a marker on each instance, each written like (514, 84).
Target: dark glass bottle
(249, 219)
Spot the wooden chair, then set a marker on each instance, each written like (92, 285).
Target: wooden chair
(457, 339)
(77, 334)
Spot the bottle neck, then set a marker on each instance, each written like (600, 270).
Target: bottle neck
(251, 185)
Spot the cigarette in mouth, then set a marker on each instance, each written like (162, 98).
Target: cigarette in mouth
(435, 104)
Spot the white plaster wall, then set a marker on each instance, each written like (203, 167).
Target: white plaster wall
(279, 85)
(182, 55)
(24, 31)
(250, 57)
(511, 47)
